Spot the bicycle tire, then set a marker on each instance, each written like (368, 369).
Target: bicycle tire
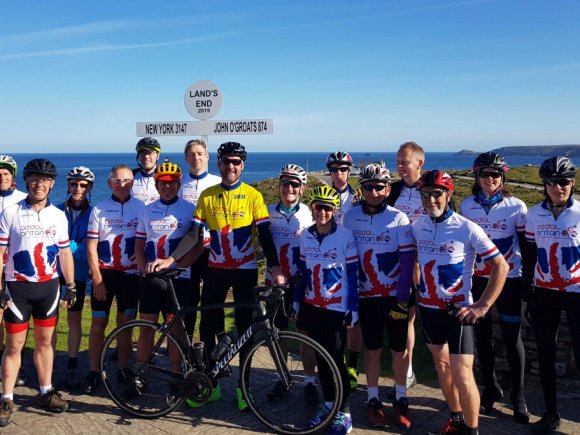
(288, 414)
(150, 393)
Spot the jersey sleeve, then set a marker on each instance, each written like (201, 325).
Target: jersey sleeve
(4, 229)
(405, 235)
(141, 232)
(521, 218)
(199, 218)
(481, 242)
(352, 266)
(530, 230)
(93, 226)
(259, 209)
(62, 231)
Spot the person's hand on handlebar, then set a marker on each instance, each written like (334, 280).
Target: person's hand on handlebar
(160, 263)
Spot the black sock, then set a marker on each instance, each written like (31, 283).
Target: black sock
(72, 363)
(471, 431)
(457, 417)
(353, 359)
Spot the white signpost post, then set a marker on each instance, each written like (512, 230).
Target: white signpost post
(203, 100)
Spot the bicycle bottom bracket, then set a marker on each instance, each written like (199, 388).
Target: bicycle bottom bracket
(196, 386)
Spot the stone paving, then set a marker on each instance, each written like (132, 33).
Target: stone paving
(98, 414)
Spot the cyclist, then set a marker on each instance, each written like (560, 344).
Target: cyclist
(326, 300)
(552, 228)
(503, 218)
(9, 195)
(148, 150)
(288, 218)
(447, 244)
(233, 212)
(386, 252)
(33, 234)
(111, 257)
(77, 209)
(405, 197)
(199, 179)
(161, 226)
(339, 165)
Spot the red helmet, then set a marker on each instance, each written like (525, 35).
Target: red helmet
(435, 178)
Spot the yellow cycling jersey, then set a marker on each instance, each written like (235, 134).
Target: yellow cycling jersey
(231, 214)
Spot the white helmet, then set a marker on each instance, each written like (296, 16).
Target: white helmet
(9, 163)
(81, 173)
(293, 171)
(374, 172)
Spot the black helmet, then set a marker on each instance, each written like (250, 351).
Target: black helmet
(148, 143)
(490, 160)
(557, 167)
(232, 149)
(39, 167)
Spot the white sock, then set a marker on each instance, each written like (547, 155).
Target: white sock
(309, 380)
(44, 389)
(8, 396)
(410, 370)
(400, 391)
(372, 392)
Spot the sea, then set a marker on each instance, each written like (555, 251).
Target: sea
(259, 165)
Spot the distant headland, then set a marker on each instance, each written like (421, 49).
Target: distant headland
(531, 150)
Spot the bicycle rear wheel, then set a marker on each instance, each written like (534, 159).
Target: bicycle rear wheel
(286, 410)
(144, 389)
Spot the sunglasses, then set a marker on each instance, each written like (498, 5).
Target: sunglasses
(376, 187)
(235, 162)
(81, 185)
(563, 182)
(288, 183)
(119, 181)
(433, 194)
(323, 207)
(341, 169)
(495, 175)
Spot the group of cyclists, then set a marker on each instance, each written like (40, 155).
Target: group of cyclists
(368, 260)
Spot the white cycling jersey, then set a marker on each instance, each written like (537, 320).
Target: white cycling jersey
(144, 188)
(193, 185)
(326, 265)
(33, 241)
(114, 225)
(285, 230)
(558, 242)
(379, 239)
(409, 202)
(502, 224)
(446, 253)
(10, 197)
(347, 201)
(162, 226)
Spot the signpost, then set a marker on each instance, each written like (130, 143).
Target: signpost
(203, 100)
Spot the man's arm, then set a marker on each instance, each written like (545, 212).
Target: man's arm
(99, 289)
(140, 255)
(187, 243)
(269, 249)
(194, 253)
(2, 253)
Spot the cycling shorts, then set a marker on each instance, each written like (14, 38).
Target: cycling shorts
(37, 299)
(81, 287)
(154, 301)
(374, 316)
(122, 286)
(439, 327)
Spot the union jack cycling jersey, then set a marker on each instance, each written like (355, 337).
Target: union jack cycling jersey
(231, 213)
(285, 230)
(502, 224)
(409, 202)
(144, 187)
(162, 226)
(379, 238)
(10, 197)
(558, 242)
(348, 199)
(114, 225)
(33, 241)
(330, 269)
(446, 254)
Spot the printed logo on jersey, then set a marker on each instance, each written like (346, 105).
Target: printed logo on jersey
(325, 286)
(37, 230)
(430, 247)
(549, 263)
(490, 224)
(165, 225)
(231, 249)
(505, 246)
(26, 267)
(119, 223)
(447, 278)
(552, 231)
(283, 232)
(373, 284)
(315, 253)
(368, 236)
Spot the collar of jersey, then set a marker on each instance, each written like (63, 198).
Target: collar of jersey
(348, 187)
(546, 204)
(115, 199)
(7, 192)
(280, 207)
(312, 230)
(444, 216)
(170, 202)
(198, 177)
(29, 206)
(235, 186)
(144, 175)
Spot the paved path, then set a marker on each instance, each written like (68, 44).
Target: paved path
(98, 415)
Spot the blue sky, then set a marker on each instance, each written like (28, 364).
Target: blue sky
(365, 75)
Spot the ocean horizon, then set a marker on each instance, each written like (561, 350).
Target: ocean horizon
(259, 165)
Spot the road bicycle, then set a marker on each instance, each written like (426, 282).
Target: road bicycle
(152, 383)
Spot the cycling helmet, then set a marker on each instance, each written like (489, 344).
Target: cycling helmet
(435, 178)
(232, 149)
(39, 167)
(557, 167)
(338, 158)
(9, 163)
(148, 143)
(374, 172)
(81, 173)
(490, 160)
(293, 171)
(325, 194)
(167, 171)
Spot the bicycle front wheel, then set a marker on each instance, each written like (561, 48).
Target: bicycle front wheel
(292, 408)
(139, 380)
